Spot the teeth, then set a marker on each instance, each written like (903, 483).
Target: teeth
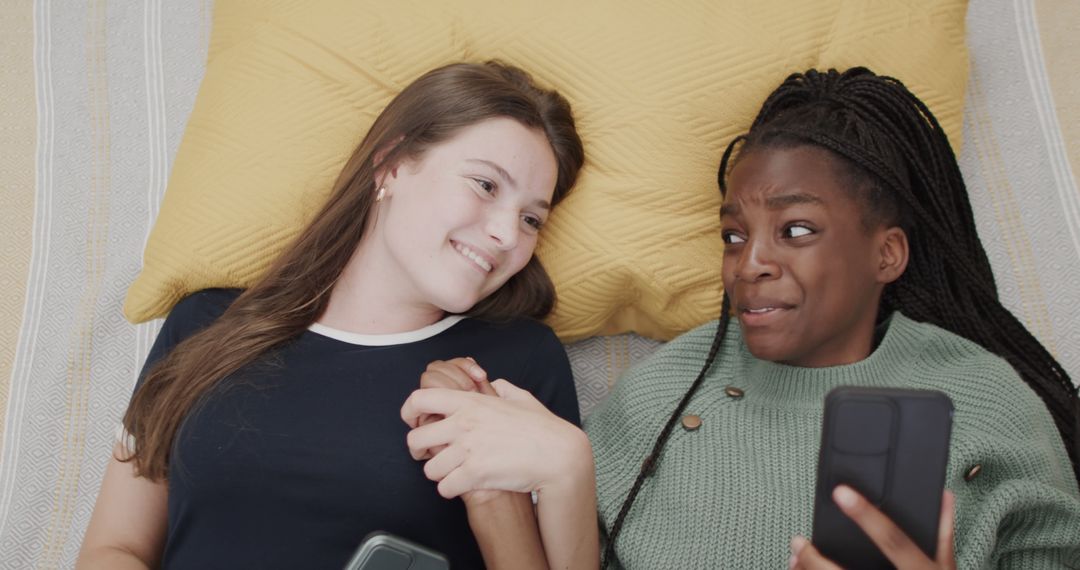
(473, 256)
(759, 311)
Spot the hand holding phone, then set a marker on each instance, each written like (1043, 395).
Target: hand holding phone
(892, 447)
(894, 544)
(385, 551)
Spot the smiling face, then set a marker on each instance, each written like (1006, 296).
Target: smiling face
(803, 272)
(464, 217)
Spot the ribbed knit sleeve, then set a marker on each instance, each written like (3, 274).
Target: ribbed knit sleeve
(1022, 509)
(634, 413)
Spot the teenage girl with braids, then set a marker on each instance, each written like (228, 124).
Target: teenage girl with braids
(851, 258)
(265, 431)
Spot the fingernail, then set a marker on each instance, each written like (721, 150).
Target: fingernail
(845, 497)
(792, 561)
(797, 544)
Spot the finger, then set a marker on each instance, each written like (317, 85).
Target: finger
(508, 391)
(439, 379)
(475, 370)
(423, 439)
(444, 462)
(467, 365)
(441, 374)
(432, 401)
(805, 556)
(945, 554)
(485, 388)
(893, 542)
(457, 482)
(426, 419)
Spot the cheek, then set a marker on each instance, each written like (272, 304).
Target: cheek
(727, 271)
(517, 259)
(410, 212)
(522, 254)
(839, 284)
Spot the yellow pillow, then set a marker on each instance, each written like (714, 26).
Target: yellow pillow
(658, 89)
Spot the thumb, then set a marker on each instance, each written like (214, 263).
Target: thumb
(506, 390)
(485, 388)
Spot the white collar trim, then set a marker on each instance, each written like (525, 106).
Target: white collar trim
(387, 339)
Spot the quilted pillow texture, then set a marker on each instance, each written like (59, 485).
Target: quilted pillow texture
(658, 89)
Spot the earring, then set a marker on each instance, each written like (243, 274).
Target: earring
(380, 194)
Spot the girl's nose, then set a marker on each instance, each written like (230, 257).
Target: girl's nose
(756, 262)
(502, 226)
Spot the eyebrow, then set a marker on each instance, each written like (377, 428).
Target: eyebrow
(509, 179)
(502, 171)
(787, 200)
(776, 203)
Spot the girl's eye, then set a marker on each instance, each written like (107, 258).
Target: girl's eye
(797, 231)
(732, 238)
(485, 185)
(534, 222)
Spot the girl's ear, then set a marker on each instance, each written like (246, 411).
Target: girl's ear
(893, 252)
(385, 176)
(385, 172)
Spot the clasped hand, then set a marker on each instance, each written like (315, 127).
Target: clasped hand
(494, 436)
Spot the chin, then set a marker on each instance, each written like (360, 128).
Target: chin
(458, 304)
(457, 308)
(772, 350)
(455, 296)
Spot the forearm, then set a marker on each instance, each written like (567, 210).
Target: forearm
(128, 526)
(566, 513)
(504, 525)
(107, 558)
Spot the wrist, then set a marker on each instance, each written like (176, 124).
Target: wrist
(566, 510)
(486, 497)
(575, 471)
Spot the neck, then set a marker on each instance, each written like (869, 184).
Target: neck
(888, 365)
(851, 347)
(365, 301)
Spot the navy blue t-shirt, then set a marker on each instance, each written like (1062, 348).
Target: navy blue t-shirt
(295, 458)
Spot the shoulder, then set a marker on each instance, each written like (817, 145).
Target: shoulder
(192, 314)
(967, 371)
(996, 411)
(943, 356)
(675, 364)
(201, 308)
(650, 387)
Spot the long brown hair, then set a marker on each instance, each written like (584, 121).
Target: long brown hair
(295, 290)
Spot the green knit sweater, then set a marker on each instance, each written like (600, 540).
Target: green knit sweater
(732, 493)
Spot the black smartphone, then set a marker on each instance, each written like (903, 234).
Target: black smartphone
(892, 446)
(384, 551)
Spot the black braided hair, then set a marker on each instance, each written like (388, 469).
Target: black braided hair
(653, 458)
(897, 161)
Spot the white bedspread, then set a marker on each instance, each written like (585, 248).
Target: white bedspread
(93, 101)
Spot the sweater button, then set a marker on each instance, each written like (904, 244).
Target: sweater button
(734, 393)
(690, 422)
(973, 472)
